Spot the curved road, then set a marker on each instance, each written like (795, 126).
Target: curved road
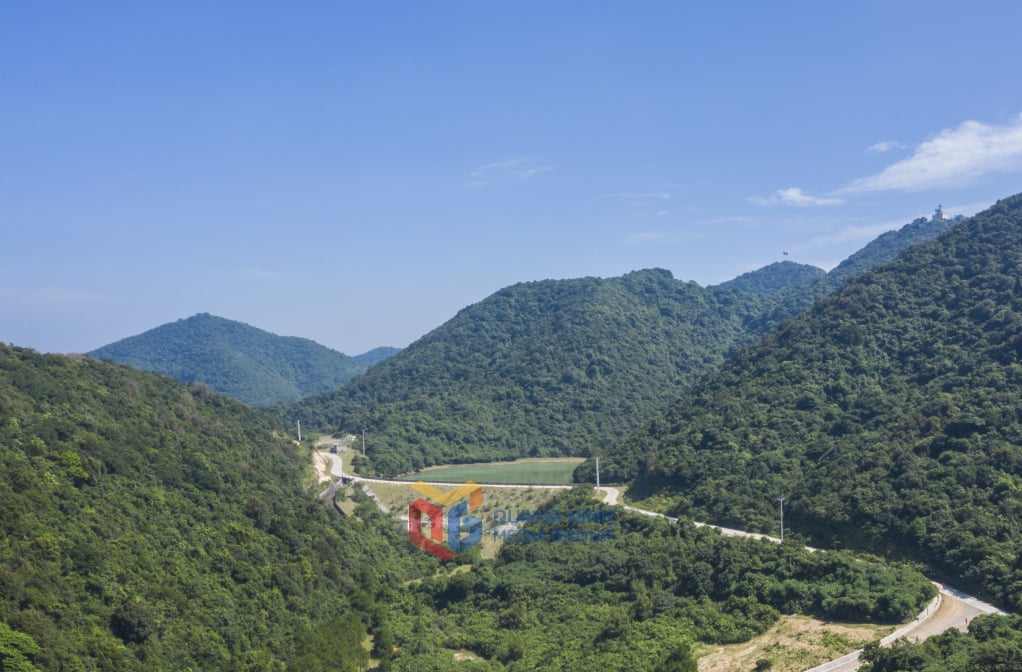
(950, 609)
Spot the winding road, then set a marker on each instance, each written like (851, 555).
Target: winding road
(950, 609)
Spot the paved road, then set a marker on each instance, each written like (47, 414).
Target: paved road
(950, 609)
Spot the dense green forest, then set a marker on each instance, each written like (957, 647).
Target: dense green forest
(563, 367)
(151, 525)
(776, 277)
(249, 364)
(537, 369)
(148, 524)
(993, 644)
(635, 602)
(889, 415)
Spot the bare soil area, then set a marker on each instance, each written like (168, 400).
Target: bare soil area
(794, 644)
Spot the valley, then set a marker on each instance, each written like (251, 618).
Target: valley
(794, 644)
(866, 400)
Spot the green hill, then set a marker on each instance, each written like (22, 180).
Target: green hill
(537, 369)
(887, 246)
(560, 367)
(776, 277)
(249, 364)
(888, 414)
(149, 525)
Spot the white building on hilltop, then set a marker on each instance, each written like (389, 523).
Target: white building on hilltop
(938, 214)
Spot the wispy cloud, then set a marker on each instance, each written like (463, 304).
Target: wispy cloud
(885, 146)
(796, 197)
(508, 169)
(956, 156)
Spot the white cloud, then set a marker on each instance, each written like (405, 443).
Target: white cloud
(794, 196)
(884, 146)
(954, 157)
(509, 169)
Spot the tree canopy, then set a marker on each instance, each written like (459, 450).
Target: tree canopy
(888, 414)
(249, 364)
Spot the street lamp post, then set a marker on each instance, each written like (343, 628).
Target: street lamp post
(781, 500)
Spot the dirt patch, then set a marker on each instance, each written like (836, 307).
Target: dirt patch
(793, 644)
(322, 467)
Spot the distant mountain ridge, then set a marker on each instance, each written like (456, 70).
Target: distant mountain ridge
(560, 367)
(252, 365)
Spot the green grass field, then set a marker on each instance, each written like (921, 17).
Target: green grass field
(555, 471)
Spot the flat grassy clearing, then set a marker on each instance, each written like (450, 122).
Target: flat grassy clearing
(538, 471)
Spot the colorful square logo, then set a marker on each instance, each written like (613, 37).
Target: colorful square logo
(463, 531)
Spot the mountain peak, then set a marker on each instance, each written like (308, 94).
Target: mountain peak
(245, 362)
(776, 277)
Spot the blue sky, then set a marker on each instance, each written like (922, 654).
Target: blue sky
(356, 173)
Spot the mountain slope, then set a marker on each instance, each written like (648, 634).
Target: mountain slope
(889, 245)
(145, 524)
(888, 414)
(249, 364)
(541, 368)
(557, 367)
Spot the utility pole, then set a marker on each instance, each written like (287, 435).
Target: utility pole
(363, 442)
(597, 472)
(781, 500)
(299, 431)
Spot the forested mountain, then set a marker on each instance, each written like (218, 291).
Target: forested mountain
(539, 368)
(888, 415)
(249, 364)
(375, 356)
(149, 525)
(562, 367)
(887, 246)
(776, 277)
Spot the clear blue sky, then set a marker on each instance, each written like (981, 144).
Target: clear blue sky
(357, 172)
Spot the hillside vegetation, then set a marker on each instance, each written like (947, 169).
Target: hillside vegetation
(636, 601)
(537, 369)
(150, 525)
(146, 525)
(564, 367)
(249, 364)
(889, 415)
(775, 277)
